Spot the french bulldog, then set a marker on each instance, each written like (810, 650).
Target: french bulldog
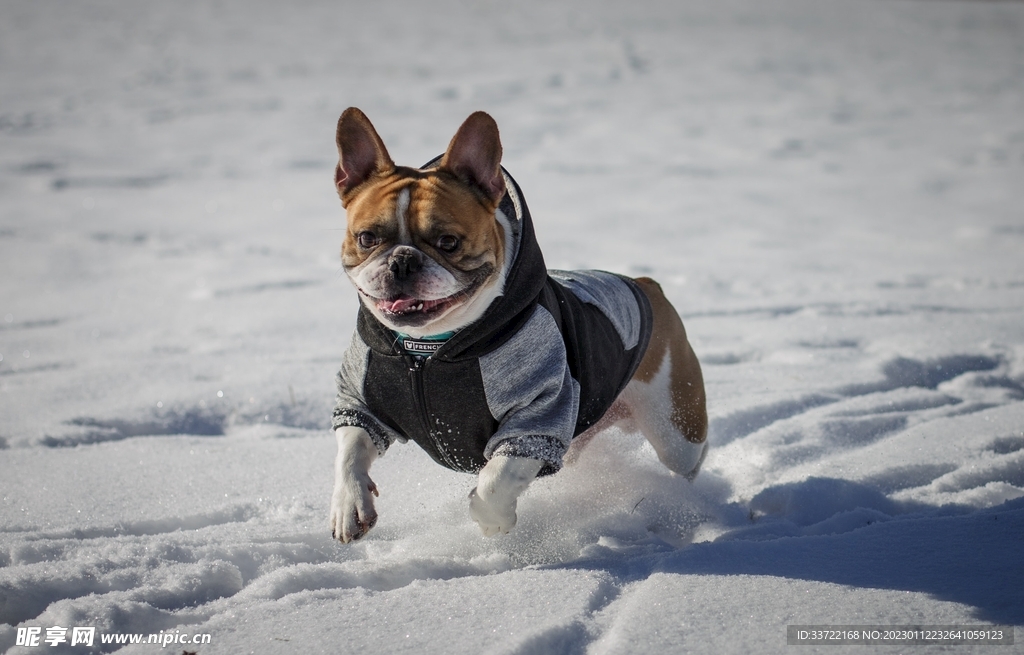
(466, 343)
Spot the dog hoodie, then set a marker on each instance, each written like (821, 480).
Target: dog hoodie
(543, 364)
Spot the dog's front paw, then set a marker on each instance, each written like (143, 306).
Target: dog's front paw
(352, 511)
(493, 503)
(492, 515)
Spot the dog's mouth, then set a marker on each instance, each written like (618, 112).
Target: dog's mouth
(406, 310)
(408, 307)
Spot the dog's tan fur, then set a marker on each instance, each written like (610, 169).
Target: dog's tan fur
(686, 382)
(436, 206)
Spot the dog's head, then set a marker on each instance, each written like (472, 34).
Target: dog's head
(423, 247)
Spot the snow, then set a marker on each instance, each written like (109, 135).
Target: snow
(829, 193)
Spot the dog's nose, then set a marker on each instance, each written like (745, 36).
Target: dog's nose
(403, 263)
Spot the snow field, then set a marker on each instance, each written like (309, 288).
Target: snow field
(828, 192)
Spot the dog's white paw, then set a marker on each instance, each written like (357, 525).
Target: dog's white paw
(683, 457)
(696, 469)
(352, 511)
(493, 515)
(493, 503)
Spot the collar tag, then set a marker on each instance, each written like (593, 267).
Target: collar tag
(419, 347)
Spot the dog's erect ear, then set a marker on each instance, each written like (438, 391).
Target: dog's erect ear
(361, 153)
(474, 156)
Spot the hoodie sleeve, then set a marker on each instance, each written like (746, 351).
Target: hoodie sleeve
(531, 393)
(350, 407)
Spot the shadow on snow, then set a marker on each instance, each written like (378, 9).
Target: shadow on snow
(950, 553)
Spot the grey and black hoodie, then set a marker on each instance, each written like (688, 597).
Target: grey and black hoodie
(544, 363)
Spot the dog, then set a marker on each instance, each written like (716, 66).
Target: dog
(466, 343)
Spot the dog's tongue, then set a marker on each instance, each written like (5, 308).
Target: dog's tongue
(405, 305)
(398, 305)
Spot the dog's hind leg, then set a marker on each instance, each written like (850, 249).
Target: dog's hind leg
(666, 395)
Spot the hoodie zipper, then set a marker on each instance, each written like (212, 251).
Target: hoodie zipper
(419, 398)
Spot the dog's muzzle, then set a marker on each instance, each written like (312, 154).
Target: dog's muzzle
(404, 262)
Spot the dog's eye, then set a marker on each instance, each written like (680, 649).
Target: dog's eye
(448, 243)
(367, 240)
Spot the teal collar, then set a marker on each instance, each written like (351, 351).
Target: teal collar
(444, 336)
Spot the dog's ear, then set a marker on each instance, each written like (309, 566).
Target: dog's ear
(361, 153)
(474, 156)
